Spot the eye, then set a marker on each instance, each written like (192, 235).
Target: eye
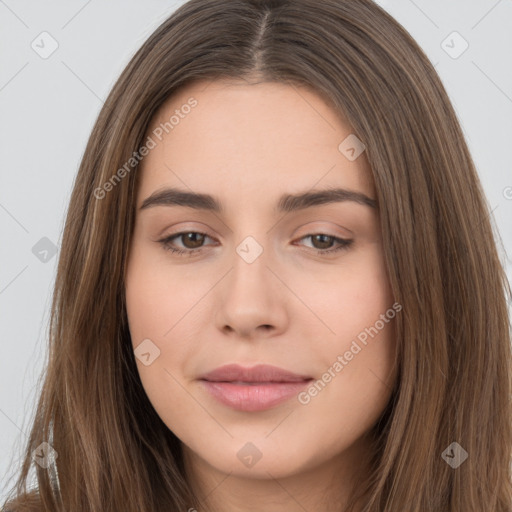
(193, 243)
(322, 243)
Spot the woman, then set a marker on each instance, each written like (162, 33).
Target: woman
(278, 287)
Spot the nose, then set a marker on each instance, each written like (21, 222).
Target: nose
(251, 300)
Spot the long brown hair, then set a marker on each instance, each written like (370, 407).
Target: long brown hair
(454, 351)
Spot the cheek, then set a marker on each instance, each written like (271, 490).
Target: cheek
(350, 297)
(163, 306)
(154, 307)
(357, 350)
(158, 296)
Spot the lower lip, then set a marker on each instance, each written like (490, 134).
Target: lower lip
(251, 398)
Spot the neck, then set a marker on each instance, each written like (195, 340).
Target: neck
(325, 486)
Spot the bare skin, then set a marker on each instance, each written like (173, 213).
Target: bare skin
(293, 306)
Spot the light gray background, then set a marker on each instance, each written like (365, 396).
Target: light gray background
(48, 107)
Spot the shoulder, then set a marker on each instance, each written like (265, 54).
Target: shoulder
(29, 502)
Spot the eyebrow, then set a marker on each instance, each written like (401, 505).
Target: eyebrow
(286, 203)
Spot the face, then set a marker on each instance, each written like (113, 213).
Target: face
(263, 278)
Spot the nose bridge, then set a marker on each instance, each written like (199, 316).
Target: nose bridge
(250, 298)
(254, 249)
(250, 249)
(250, 272)
(251, 239)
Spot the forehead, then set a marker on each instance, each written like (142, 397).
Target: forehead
(232, 138)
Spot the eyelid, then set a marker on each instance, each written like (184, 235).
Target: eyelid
(310, 233)
(177, 235)
(185, 227)
(319, 227)
(341, 244)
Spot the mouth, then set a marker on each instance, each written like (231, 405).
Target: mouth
(253, 389)
(240, 383)
(262, 373)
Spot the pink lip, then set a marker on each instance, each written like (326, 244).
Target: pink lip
(258, 373)
(253, 389)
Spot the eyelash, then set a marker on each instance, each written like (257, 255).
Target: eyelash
(166, 243)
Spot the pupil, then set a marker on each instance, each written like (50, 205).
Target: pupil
(325, 243)
(189, 237)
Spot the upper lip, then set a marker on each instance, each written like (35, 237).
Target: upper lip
(258, 373)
